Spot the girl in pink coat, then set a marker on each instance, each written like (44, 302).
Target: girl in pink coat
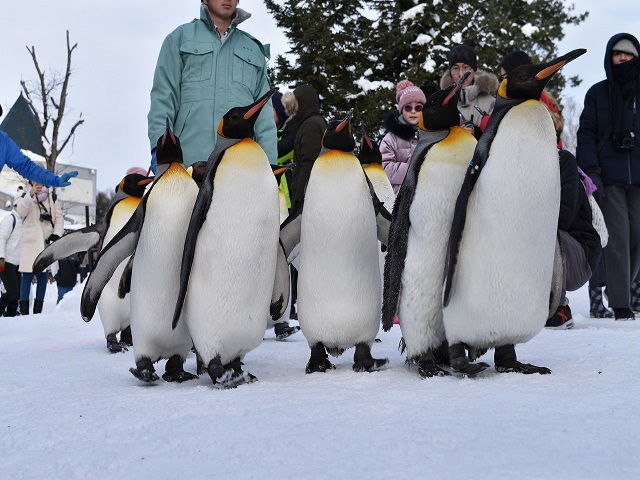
(398, 144)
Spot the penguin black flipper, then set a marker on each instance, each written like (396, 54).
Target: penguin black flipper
(281, 286)
(291, 229)
(383, 217)
(124, 286)
(480, 156)
(74, 242)
(399, 228)
(198, 216)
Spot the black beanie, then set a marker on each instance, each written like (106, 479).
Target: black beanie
(463, 54)
(276, 100)
(515, 59)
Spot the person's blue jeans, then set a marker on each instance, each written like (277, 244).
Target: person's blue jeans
(62, 291)
(25, 285)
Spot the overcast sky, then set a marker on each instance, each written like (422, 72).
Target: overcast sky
(118, 43)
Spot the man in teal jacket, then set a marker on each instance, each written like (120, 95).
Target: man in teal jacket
(205, 68)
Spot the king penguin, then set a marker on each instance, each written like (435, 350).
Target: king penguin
(371, 160)
(420, 230)
(114, 311)
(337, 227)
(231, 249)
(501, 272)
(156, 233)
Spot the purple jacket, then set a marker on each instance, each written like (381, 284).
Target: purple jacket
(396, 147)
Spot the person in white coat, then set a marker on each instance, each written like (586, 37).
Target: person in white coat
(10, 239)
(42, 223)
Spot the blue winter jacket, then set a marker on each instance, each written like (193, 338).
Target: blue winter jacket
(198, 78)
(596, 148)
(10, 154)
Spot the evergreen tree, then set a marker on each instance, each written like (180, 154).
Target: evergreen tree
(354, 52)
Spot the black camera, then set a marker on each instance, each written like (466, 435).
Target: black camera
(628, 140)
(45, 217)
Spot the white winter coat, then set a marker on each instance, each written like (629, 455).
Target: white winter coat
(11, 238)
(35, 231)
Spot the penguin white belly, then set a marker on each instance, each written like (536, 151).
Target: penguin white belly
(232, 275)
(502, 282)
(430, 215)
(381, 185)
(156, 268)
(339, 293)
(114, 311)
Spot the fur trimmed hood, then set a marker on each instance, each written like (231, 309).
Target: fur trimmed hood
(401, 130)
(485, 82)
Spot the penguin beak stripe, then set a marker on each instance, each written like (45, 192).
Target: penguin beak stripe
(256, 108)
(369, 142)
(450, 96)
(146, 181)
(547, 72)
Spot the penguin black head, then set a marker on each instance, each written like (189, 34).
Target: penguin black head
(527, 81)
(369, 150)
(197, 171)
(339, 135)
(168, 148)
(238, 122)
(134, 184)
(278, 170)
(440, 112)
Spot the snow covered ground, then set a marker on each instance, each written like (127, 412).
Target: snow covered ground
(69, 409)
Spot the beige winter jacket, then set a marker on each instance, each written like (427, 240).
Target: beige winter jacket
(481, 93)
(35, 231)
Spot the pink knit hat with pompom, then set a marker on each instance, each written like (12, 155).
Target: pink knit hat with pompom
(138, 170)
(407, 92)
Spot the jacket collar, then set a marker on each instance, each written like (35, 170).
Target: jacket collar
(238, 17)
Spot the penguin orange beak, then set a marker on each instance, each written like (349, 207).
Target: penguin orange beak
(346, 121)
(259, 104)
(146, 181)
(553, 66)
(280, 170)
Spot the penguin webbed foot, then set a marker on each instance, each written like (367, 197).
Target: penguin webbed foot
(429, 366)
(364, 362)
(114, 346)
(506, 362)
(319, 360)
(283, 330)
(461, 363)
(144, 370)
(126, 337)
(230, 375)
(174, 371)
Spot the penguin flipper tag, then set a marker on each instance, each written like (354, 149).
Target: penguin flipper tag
(280, 295)
(78, 241)
(122, 245)
(198, 216)
(397, 245)
(124, 286)
(291, 230)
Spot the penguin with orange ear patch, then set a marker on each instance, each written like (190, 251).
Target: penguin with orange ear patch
(156, 234)
(230, 253)
(420, 230)
(501, 275)
(337, 228)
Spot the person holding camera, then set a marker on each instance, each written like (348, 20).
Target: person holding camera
(608, 153)
(42, 223)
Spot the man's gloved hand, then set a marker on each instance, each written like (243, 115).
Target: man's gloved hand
(61, 181)
(1, 264)
(53, 237)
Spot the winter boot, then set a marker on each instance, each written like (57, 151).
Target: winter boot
(24, 307)
(37, 306)
(12, 309)
(597, 308)
(3, 307)
(623, 314)
(634, 295)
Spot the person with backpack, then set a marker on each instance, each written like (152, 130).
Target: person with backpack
(10, 240)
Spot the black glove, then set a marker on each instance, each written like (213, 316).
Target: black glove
(52, 238)
(597, 181)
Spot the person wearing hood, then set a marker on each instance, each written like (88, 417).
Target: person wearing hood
(308, 143)
(401, 139)
(609, 154)
(477, 96)
(42, 223)
(205, 68)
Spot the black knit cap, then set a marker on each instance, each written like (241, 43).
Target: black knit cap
(463, 54)
(514, 59)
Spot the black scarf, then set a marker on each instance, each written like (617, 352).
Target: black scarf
(623, 97)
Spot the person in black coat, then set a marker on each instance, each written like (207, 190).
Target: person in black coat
(609, 153)
(67, 276)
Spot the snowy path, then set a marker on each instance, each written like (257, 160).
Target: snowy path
(69, 409)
